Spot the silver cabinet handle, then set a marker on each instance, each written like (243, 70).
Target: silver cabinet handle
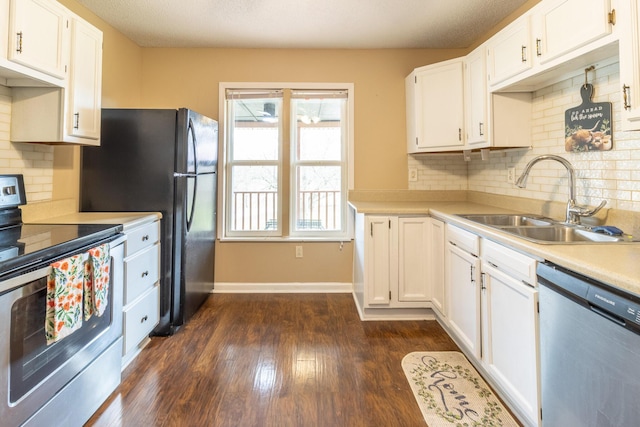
(76, 120)
(538, 47)
(19, 42)
(524, 53)
(625, 89)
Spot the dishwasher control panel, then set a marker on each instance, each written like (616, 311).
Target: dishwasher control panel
(614, 304)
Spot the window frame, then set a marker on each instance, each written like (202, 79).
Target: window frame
(286, 233)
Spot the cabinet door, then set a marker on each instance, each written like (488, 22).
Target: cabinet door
(476, 96)
(463, 272)
(566, 25)
(38, 35)
(436, 269)
(630, 64)
(85, 82)
(413, 266)
(509, 51)
(510, 330)
(377, 260)
(438, 106)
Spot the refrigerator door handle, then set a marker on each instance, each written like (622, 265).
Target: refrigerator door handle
(194, 142)
(193, 203)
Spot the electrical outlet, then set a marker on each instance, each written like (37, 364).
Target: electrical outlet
(413, 174)
(298, 251)
(511, 175)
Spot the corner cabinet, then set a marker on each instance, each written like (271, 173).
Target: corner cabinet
(475, 73)
(70, 114)
(629, 19)
(391, 266)
(435, 107)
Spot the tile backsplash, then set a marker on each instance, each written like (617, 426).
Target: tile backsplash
(34, 161)
(610, 175)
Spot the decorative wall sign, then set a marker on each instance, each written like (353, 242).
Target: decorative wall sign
(588, 126)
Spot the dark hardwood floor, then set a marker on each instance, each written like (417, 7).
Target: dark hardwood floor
(275, 360)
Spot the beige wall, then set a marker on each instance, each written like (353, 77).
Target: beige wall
(190, 77)
(121, 75)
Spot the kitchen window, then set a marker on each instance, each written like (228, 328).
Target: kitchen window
(287, 157)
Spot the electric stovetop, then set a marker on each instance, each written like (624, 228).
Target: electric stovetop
(26, 246)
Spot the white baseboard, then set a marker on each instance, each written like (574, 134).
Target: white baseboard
(283, 288)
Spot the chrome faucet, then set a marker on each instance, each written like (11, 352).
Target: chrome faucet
(574, 211)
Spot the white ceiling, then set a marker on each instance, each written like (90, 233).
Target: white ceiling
(353, 24)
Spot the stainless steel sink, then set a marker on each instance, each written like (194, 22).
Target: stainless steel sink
(544, 230)
(509, 220)
(560, 234)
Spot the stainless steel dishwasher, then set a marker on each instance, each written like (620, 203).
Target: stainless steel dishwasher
(589, 351)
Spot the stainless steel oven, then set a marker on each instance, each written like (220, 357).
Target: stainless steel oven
(33, 374)
(65, 382)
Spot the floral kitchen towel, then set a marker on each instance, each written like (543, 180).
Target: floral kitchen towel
(64, 298)
(96, 288)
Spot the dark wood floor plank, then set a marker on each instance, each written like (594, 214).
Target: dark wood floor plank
(274, 360)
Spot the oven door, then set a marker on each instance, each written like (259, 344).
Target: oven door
(32, 372)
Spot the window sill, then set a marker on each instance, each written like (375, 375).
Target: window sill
(258, 239)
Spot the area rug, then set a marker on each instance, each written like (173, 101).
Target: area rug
(450, 392)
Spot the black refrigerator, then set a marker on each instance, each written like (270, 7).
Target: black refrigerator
(163, 161)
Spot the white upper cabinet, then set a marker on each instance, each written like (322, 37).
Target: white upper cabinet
(509, 51)
(38, 35)
(85, 85)
(435, 107)
(629, 18)
(475, 73)
(565, 25)
(65, 116)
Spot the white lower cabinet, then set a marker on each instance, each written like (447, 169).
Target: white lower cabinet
(463, 287)
(436, 269)
(392, 266)
(141, 287)
(510, 332)
(395, 266)
(493, 314)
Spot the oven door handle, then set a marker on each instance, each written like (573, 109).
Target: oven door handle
(24, 279)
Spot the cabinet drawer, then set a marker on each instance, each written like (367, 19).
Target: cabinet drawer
(140, 318)
(141, 272)
(512, 263)
(142, 237)
(463, 239)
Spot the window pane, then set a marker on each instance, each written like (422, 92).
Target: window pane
(255, 143)
(256, 128)
(320, 143)
(254, 198)
(319, 200)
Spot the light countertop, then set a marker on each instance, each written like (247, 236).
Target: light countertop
(617, 264)
(128, 220)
